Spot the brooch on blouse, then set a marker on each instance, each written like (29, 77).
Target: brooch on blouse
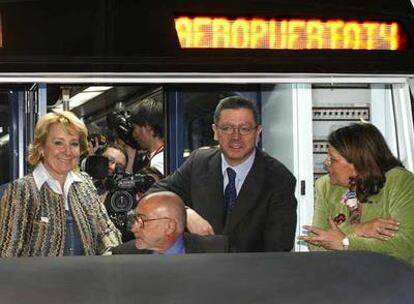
(350, 200)
(339, 219)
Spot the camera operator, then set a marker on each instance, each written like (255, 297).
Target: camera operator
(120, 123)
(148, 122)
(117, 161)
(118, 191)
(117, 156)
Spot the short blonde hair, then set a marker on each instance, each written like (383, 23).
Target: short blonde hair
(70, 123)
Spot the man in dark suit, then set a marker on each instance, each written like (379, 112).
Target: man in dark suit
(160, 220)
(237, 190)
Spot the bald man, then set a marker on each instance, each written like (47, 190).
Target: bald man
(160, 220)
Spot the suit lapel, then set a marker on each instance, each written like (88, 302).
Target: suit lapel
(248, 195)
(213, 186)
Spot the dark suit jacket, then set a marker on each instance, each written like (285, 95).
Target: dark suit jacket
(193, 244)
(264, 217)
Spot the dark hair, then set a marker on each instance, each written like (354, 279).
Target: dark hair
(149, 112)
(236, 102)
(364, 146)
(102, 150)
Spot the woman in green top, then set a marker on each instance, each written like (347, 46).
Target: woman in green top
(367, 200)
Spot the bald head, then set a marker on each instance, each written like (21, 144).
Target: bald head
(165, 204)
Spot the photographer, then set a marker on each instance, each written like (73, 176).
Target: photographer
(117, 161)
(148, 122)
(117, 156)
(118, 191)
(120, 124)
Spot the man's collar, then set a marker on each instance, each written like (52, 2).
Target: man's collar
(244, 166)
(177, 248)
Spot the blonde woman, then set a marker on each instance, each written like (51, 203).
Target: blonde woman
(54, 210)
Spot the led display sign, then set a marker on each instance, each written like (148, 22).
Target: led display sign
(287, 34)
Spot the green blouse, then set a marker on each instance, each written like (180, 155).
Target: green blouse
(395, 200)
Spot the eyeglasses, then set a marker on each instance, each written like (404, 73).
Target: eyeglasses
(141, 221)
(243, 130)
(329, 160)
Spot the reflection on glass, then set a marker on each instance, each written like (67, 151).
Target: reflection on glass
(4, 157)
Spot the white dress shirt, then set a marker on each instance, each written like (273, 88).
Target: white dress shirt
(241, 171)
(41, 176)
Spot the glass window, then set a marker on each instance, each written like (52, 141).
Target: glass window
(4, 137)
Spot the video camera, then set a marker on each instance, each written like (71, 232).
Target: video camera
(121, 124)
(122, 188)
